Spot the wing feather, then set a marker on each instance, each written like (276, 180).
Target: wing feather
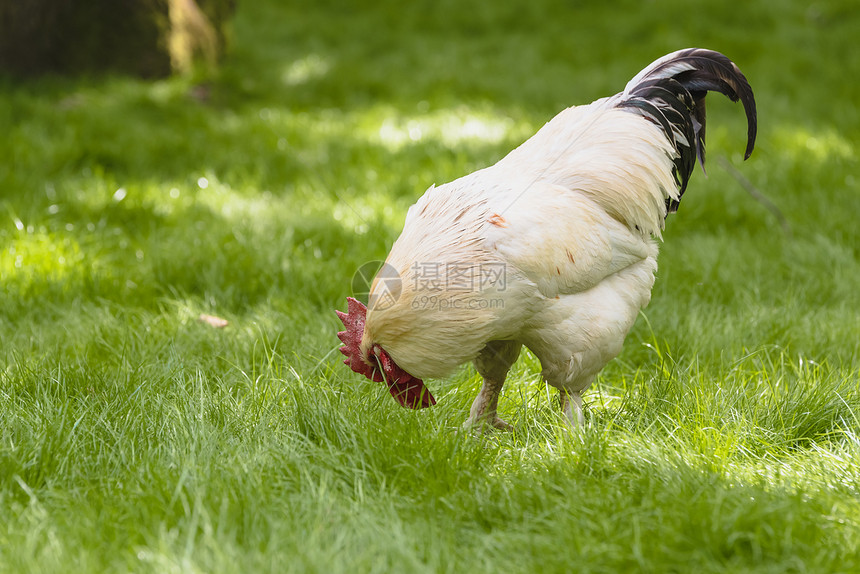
(565, 242)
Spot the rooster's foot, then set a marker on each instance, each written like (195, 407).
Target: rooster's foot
(485, 424)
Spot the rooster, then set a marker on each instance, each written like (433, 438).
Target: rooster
(554, 247)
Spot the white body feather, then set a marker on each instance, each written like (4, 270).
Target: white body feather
(557, 240)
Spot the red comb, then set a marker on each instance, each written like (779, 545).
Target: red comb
(353, 320)
(408, 390)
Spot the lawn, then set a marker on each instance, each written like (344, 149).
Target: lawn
(135, 437)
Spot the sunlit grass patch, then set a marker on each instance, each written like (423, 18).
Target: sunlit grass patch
(800, 142)
(449, 127)
(37, 257)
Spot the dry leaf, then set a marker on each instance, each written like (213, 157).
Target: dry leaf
(213, 321)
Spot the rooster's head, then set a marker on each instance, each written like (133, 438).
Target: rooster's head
(373, 362)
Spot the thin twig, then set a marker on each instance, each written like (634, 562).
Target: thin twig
(756, 194)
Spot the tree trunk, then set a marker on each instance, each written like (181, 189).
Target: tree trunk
(148, 38)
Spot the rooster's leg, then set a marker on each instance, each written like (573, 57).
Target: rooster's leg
(571, 406)
(484, 408)
(493, 364)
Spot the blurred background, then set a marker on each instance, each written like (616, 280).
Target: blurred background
(248, 157)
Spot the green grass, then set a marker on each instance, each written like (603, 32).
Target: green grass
(725, 438)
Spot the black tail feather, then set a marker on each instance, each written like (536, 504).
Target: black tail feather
(671, 92)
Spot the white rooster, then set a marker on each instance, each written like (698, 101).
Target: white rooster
(554, 247)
